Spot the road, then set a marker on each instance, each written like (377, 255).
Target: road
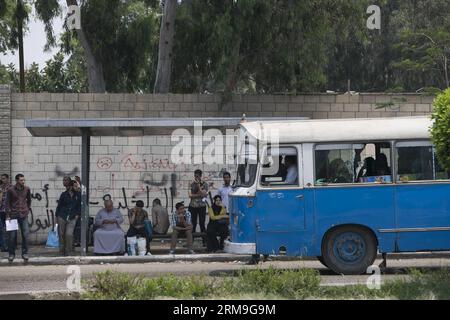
(24, 279)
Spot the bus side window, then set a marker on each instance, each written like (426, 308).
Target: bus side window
(416, 161)
(280, 167)
(353, 163)
(334, 166)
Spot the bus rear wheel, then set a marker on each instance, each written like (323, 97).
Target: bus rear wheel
(349, 250)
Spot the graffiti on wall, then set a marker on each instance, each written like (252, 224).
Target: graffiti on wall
(37, 224)
(156, 175)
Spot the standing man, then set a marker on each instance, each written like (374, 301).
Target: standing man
(197, 207)
(4, 186)
(67, 213)
(66, 182)
(18, 206)
(225, 190)
(181, 223)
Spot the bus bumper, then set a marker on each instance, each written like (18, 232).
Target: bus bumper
(239, 248)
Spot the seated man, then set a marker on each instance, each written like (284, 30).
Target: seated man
(138, 217)
(217, 226)
(181, 223)
(160, 218)
(109, 237)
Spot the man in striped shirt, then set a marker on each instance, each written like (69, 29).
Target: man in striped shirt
(181, 223)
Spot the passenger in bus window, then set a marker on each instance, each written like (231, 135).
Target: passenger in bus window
(339, 172)
(292, 171)
(382, 166)
(368, 169)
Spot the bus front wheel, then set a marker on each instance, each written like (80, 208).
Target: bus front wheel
(349, 250)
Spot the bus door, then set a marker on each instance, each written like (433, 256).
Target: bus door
(280, 201)
(422, 199)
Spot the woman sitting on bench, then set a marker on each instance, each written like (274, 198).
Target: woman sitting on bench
(217, 226)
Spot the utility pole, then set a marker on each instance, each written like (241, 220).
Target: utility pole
(20, 15)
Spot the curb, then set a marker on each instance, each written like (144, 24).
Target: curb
(40, 295)
(92, 260)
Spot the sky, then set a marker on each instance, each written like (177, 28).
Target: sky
(34, 42)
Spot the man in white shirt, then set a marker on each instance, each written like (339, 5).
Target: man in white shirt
(225, 189)
(292, 171)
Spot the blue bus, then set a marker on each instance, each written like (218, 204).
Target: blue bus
(340, 190)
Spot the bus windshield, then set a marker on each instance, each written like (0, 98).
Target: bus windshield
(246, 174)
(247, 166)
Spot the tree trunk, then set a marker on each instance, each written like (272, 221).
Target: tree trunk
(94, 66)
(165, 54)
(447, 81)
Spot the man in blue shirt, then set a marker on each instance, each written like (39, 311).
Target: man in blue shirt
(181, 223)
(225, 190)
(67, 213)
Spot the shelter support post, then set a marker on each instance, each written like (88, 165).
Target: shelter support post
(85, 160)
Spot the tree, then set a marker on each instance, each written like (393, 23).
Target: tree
(94, 65)
(14, 15)
(262, 46)
(120, 38)
(441, 128)
(423, 44)
(165, 53)
(58, 75)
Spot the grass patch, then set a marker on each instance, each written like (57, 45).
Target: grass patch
(262, 284)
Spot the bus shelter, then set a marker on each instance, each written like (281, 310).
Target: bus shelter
(87, 128)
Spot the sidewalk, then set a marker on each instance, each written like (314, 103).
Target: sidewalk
(39, 255)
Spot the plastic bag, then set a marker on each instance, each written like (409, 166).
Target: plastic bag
(131, 246)
(142, 246)
(52, 238)
(148, 229)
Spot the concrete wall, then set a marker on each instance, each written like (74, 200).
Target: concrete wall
(129, 169)
(5, 129)
(44, 105)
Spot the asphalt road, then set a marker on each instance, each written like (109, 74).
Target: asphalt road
(26, 279)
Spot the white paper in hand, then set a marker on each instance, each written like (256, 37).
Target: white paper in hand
(12, 225)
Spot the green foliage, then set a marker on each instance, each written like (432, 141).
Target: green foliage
(250, 46)
(9, 75)
(287, 284)
(58, 75)
(421, 47)
(124, 37)
(254, 46)
(264, 284)
(298, 284)
(441, 128)
(117, 286)
(46, 10)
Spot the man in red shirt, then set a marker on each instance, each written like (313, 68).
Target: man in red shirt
(18, 206)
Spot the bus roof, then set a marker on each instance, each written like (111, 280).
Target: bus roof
(341, 130)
